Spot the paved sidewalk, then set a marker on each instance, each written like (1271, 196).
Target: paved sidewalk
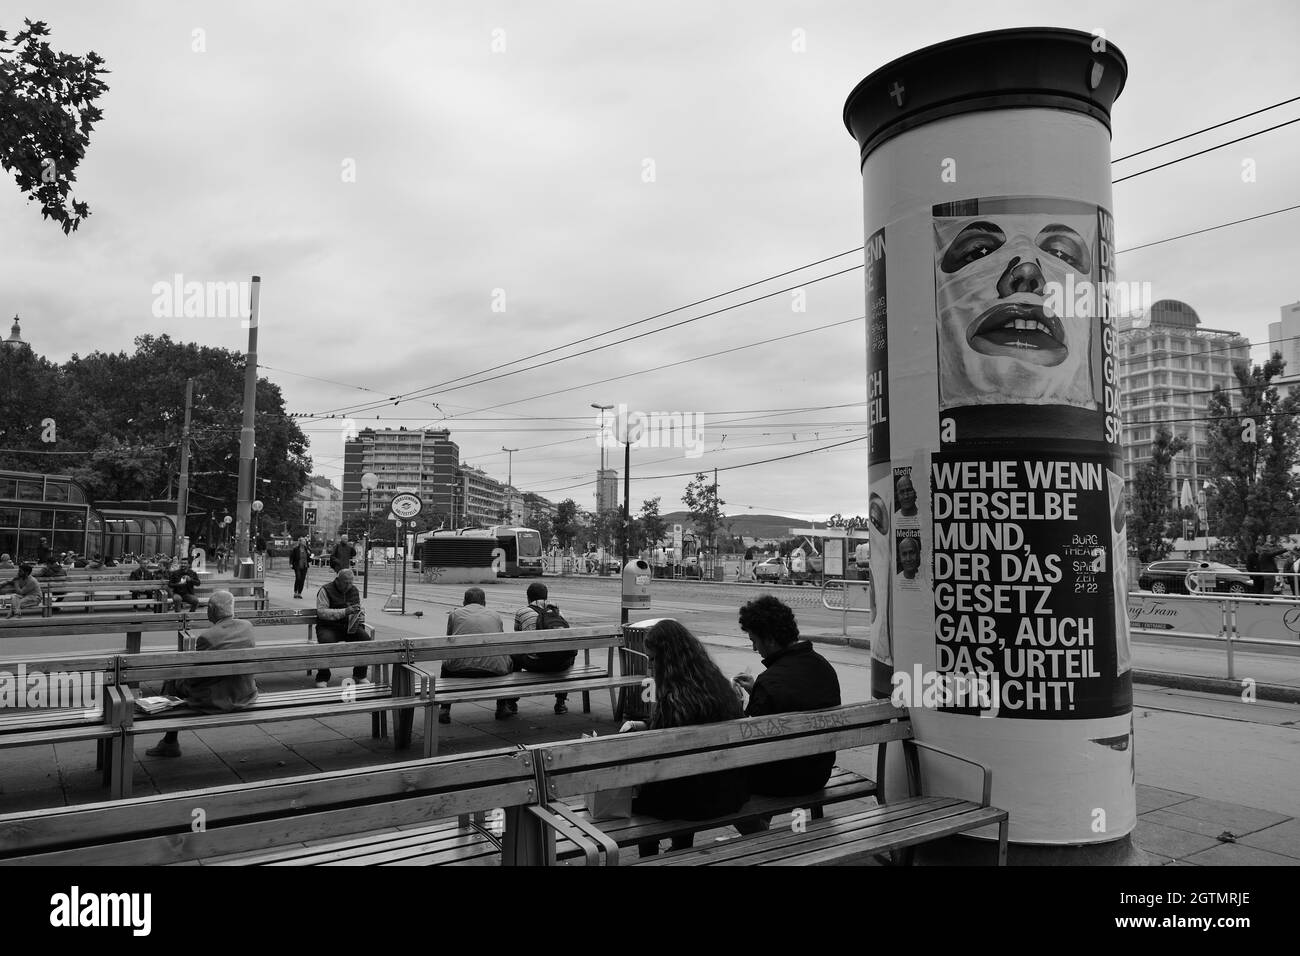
(1218, 778)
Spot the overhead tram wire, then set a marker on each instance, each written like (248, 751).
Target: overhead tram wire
(1202, 152)
(338, 413)
(631, 338)
(1207, 129)
(432, 388)
(660, 368)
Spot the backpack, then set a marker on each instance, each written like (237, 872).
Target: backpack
(549, 662)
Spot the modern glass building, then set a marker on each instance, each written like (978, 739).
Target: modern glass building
(56, 508)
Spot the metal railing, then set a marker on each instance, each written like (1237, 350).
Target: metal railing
(849, 597)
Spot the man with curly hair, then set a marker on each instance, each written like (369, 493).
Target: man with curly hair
(796, 678)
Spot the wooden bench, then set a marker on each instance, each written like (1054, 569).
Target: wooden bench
(60, 595)
(372, 816)
(570, 770)
(580, 678)
(374, 698)
(136, 625)
(36, 726)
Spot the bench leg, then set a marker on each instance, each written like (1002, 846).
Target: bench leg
(586, 702)
(403, 717)
(1002, 843)
(99, 757)
(431, 728)
(525, 840)
(123, 764)
(133, 642)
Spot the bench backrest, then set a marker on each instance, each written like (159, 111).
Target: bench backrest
(167, 665)
(624, 760)
(164, 829)
(454, 646)
(138, 623)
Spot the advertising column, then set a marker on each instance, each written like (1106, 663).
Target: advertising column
(996, 499)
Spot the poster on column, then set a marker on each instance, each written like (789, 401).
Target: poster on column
(879, 479)
(1029, 526)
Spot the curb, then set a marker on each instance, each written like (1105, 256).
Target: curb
(1278, 693)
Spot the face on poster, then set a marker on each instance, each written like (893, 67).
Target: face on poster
(904, 493)
(1003, 268)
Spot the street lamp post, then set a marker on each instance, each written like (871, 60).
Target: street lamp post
(369, 481)
(257, 512)
(510, 482)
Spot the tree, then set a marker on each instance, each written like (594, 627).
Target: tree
(117, 420)
(649, 527)
(1149, 510)
(701, 500)
(1252, 450)
(47, 111)
(608, 526)
(565, 526)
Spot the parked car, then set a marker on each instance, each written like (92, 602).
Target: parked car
(773, 570)
(1170, 577)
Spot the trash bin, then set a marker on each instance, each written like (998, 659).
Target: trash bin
(632, 704)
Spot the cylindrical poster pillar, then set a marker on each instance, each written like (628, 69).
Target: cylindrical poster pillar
(998, 547)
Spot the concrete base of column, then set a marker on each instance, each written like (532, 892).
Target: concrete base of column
(964, 851)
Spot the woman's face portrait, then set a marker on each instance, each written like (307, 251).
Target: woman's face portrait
(909, 557)
(1001, 341)
(905, 496)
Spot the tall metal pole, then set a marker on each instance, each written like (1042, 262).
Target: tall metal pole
(627, 506)
(365, 584)
(510, 482)
(247, 443)
(183, 493)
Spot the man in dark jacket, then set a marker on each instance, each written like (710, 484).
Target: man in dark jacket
(300, 561)
(336, 602)
(796, 678)
(342, 555)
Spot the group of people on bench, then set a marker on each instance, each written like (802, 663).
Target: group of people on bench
(690, 689)
(473, 617)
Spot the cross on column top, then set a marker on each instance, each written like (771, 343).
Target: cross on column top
(896, 93)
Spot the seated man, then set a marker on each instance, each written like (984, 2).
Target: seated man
(797, 678)
(215, 695)
(336, 603)
(553, 662)
(26, 592)
(7, 563)
(183, 583)
(474, 618)
(50, 569)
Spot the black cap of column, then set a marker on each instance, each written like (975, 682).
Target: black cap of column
(1035, 67)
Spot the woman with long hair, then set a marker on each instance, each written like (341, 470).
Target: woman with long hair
(689, 689)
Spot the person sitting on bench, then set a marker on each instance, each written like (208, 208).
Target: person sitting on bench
(336, 604)
(688, 689)
(215, 695)
(796, 678)
(26, 592)
(182, 583)
(474, 618)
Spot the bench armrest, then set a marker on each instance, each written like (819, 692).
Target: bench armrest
(987, 771)
(591, 841)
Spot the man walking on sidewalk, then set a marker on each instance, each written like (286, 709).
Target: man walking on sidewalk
(300, 561)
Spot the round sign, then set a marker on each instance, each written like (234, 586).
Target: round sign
(406, 505)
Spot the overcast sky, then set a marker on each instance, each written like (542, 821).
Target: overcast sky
(523, 170)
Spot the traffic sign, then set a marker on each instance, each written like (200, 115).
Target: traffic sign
(309, 516)
(406, 505)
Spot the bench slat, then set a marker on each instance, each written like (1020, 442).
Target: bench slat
(90, 823)
(847, 839)
(622, 748)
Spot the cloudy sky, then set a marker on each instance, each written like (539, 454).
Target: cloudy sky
(430, 190)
